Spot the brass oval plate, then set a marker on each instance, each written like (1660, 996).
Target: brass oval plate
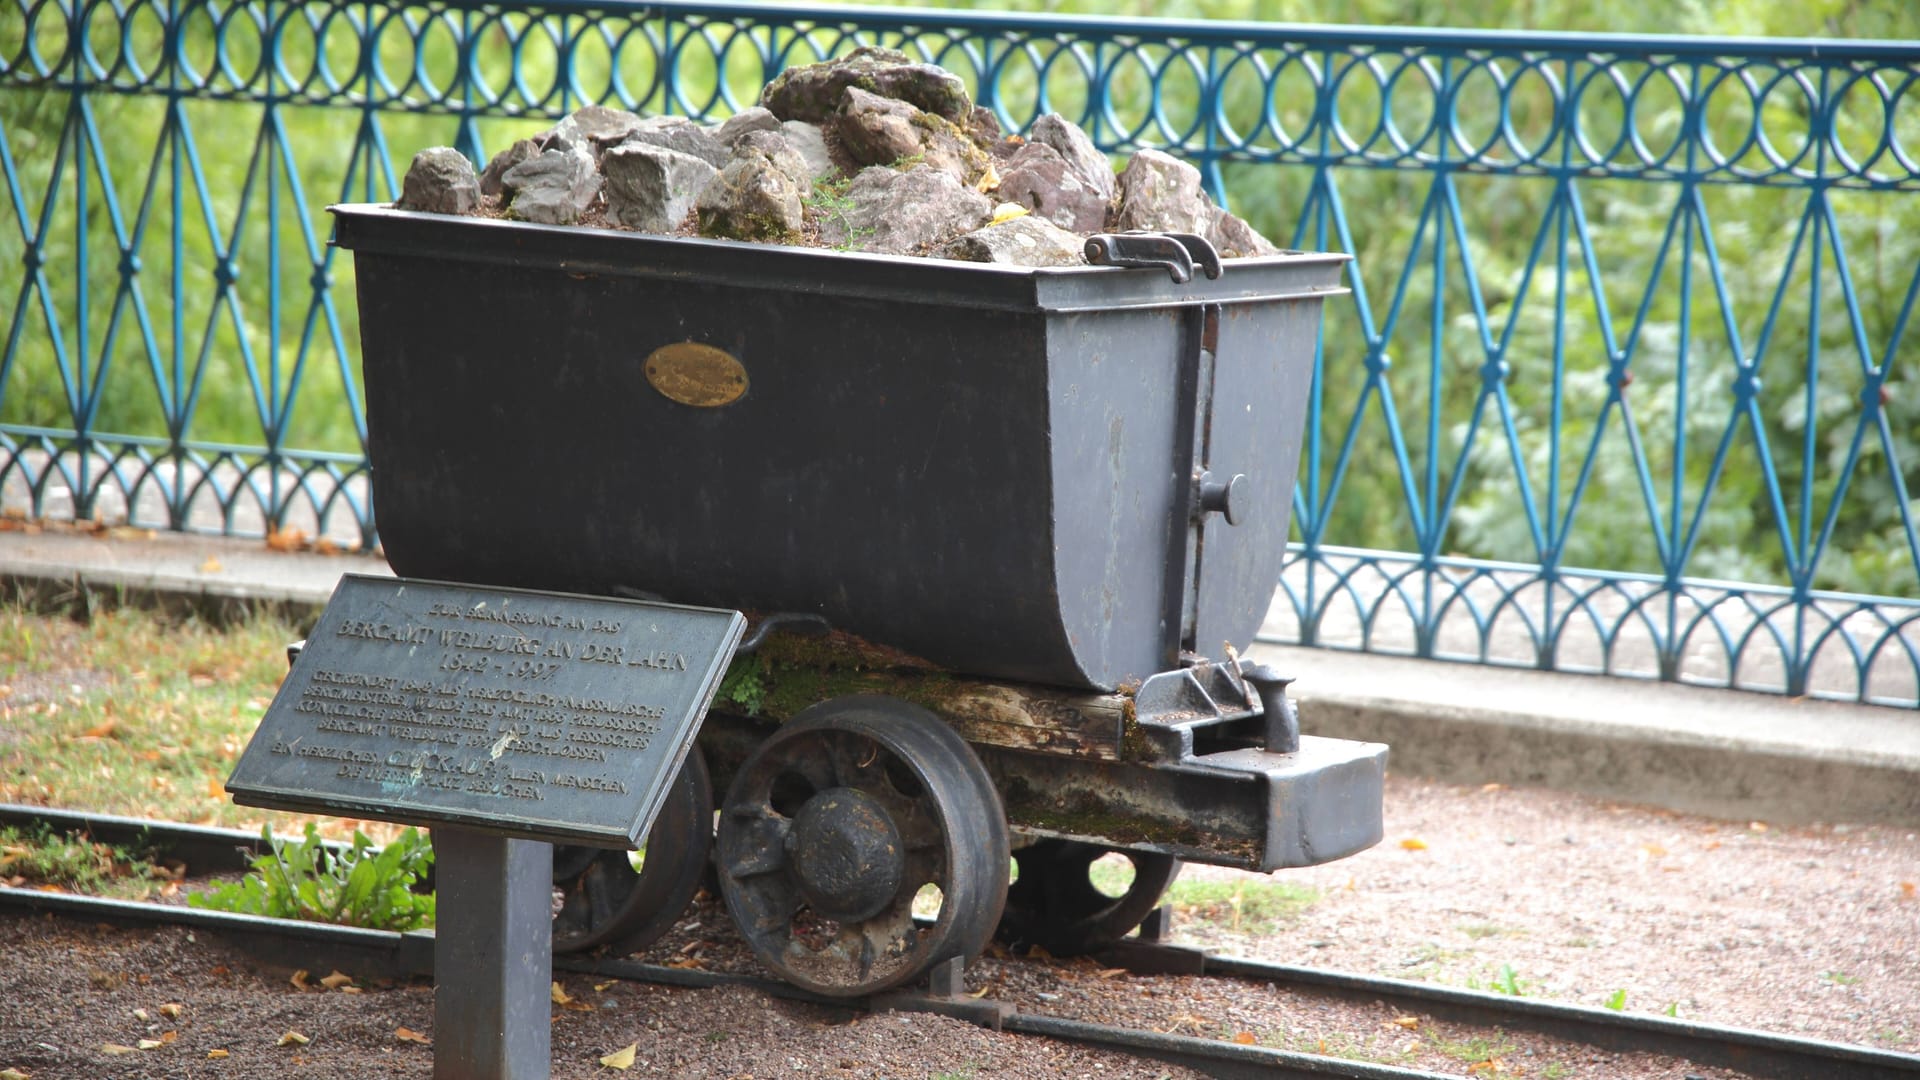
(695, 374)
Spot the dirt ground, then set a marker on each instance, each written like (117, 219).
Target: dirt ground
(1807, 931)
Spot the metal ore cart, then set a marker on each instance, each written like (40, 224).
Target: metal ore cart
(1001, 531)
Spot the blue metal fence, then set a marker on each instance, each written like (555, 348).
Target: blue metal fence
(1624, 384)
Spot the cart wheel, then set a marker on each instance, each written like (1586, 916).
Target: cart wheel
(611, 897)
(1056, 905)
(838, 822)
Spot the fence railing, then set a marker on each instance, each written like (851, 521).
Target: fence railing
(1625, 383)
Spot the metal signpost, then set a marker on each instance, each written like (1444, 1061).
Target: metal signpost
(504, 720)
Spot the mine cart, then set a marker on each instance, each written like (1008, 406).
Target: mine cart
(1000, 532)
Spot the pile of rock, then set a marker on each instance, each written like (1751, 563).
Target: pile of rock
(870, 152)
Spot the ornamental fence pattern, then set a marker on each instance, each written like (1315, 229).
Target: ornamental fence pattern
(1624, 385)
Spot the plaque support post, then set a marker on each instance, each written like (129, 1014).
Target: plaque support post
(492, 957)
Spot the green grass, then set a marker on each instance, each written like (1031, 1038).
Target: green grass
(1249, 906)
(38, 857)
(134, 713)
(1474, 1048)
(1505, 981)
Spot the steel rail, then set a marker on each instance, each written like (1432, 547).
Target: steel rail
(406, 955)
(1758, 1053)
(207, 849)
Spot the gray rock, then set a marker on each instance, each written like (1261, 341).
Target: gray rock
(440, 181)
(522, 150)
(1043, 181)
(652, 188)
(679, 134)
(753, 119)
(556, 188)
(774, 146)
(899, 212)
(1024, 241)
(1161, 193)
(594, 127)
(1235, 239)
(874, 130)
(812, 93)
(1076, 147)
(754, 197)
(983, 126)
(811, 143)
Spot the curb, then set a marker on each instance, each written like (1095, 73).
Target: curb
(1740, 780)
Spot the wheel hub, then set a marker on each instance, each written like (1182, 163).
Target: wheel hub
(846, 855)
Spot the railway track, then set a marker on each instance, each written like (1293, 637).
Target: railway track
(407, 955)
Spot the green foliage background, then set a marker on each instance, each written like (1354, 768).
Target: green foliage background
(1739, 534)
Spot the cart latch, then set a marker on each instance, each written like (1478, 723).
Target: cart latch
(1177, 253)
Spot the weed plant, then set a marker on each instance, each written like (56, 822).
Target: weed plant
(355, 884)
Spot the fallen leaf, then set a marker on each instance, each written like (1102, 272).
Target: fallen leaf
(688, 963)
(299, 980)
(216, 1055)
(412, 1036)
(980, 993)
(351, 990)
(1654, 850)
(1757, 826)
(1712, 845)
(101, 730)
(12, 1074)
(168, 1036)
(1907, 889)
(211, 566)
(116, 1050)
(336, 980)
(324, 546)
(600, 988)
(1411, 1023)
(1007, 212)
(141, 1015)
(559, 995)
(292, 1038)
(1414, 843)
(1490, 1066)
(150, 1044)
(1111, 973)
(1244, 1038)
(621, 1059)
(1488, 789)
(286, 539)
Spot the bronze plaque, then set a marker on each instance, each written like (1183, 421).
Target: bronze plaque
(539, 715)
(695, 374)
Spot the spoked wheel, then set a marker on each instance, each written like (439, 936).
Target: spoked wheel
(837, 823)
(613, 898)
(1055, 903)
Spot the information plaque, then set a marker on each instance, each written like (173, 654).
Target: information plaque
(538, 715)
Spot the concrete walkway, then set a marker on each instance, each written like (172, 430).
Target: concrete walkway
(1725, 753)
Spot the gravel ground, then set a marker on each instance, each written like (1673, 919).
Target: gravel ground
(1811, 931)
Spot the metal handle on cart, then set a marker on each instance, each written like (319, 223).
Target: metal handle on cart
(1177, 253)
